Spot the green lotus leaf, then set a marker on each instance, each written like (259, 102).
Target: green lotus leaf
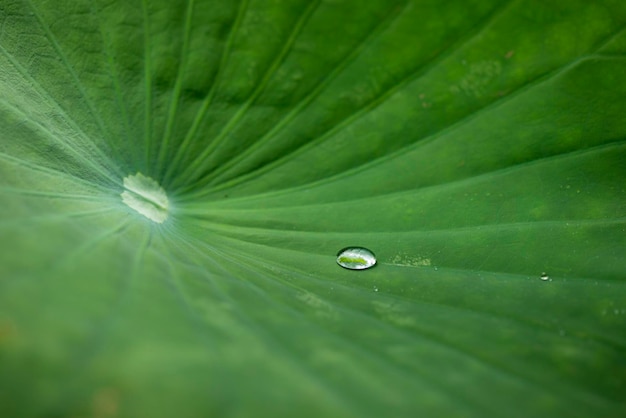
(177, 179)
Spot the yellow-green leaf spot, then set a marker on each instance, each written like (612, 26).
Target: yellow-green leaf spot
(144, 195)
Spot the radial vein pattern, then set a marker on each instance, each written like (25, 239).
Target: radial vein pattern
(476, 148)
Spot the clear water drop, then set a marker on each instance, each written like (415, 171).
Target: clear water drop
(356, 258)
(375, 289)
(544, 276)
(145, 196)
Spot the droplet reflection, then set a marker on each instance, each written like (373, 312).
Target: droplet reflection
(356, 258)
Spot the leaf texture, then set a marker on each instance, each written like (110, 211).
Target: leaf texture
(476, 147)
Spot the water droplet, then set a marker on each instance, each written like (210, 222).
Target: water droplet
(356, 258)
(544, 276)
(144, 195)
(375, 289)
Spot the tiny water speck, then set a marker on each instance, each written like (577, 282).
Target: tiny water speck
(544, 276)
(375, 289)
(356, 258)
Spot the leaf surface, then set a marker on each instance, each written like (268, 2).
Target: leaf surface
(477, 148)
